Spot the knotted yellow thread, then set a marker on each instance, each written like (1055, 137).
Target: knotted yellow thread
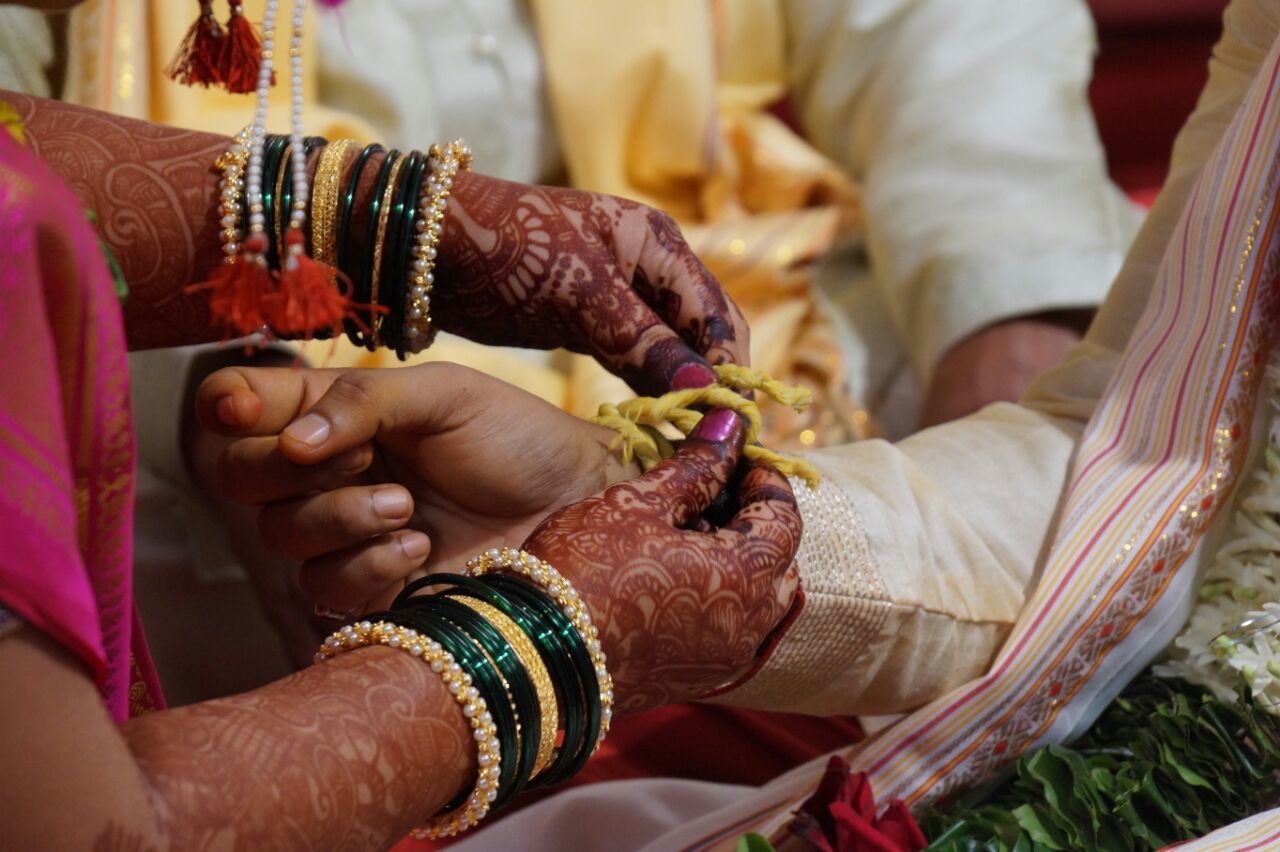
(637, 421)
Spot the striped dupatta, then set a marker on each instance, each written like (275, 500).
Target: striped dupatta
(1156, 464)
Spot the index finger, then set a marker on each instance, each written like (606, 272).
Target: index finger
(674, 281)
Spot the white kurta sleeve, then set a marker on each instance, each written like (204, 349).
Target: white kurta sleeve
(917, 557)
(984, 181)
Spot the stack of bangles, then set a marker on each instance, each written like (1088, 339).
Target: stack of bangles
(517, 650)
(385, 251)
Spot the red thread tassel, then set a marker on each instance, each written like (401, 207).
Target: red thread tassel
(238, 292)
(241, 57)
(198, 61)
(309, 298)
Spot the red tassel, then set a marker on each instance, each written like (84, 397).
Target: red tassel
(241, 57)
(238, 292)
(198, 61)
(309, 298)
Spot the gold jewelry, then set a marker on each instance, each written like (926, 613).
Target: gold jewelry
(566, 597)
(324, 201)
(384, 214)
(529, 657)
(445, 162)
(458, 683)
(230, 190)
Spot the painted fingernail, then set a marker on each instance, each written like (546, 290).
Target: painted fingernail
(692, 375)
(416, 545)
(312, 430)
(392, 503)
(721, 426)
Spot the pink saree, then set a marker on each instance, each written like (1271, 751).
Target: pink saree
(66, 436)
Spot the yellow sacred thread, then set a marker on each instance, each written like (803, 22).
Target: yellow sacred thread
(637, 421)
(12, 122)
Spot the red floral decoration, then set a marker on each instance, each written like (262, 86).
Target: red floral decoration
(841, 817)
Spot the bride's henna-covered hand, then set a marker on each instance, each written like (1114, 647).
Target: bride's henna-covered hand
(544, 267)
(682, 607)
(519, 265)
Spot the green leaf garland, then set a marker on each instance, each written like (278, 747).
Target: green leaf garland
(1167, 761)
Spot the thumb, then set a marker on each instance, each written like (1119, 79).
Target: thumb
(358, 404)
(687, 483)
(255, 401)
(347, 415)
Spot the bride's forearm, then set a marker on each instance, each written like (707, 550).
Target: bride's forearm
(349, 754)
(152, 190)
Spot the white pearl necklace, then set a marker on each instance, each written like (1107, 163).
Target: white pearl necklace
(256, 243)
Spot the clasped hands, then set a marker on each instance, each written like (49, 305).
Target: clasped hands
(371, 477)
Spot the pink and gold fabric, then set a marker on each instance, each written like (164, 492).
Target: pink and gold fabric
(66, 436)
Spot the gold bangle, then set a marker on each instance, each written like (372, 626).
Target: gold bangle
(458, 683)
(560, 590)
(384, 214)
(529, 657)
(446, 162)
(232, 164)
(324, 201)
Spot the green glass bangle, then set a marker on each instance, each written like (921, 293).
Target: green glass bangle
(485, 679)
(568, 686)
(309, 144)
(559, 659)
(375, 213)
(272, 157)
(390, 257)
(527, 712)
(574, 759)
(406, 213)
(343, 236)
(349, 204)
(343, 239)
